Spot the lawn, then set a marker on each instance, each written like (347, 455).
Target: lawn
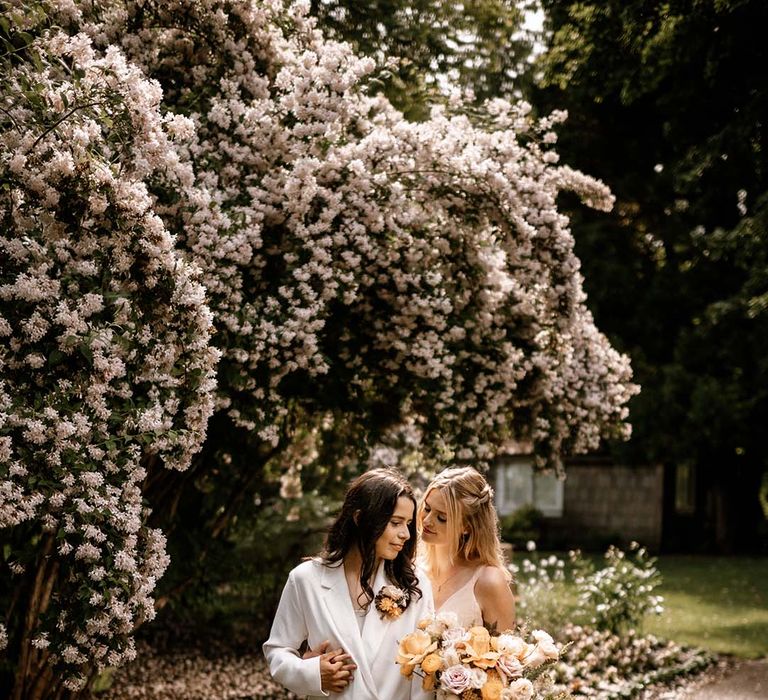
(718, 603)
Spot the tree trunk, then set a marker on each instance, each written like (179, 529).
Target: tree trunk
(30, 669)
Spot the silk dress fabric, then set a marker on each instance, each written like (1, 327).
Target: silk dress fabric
(464, 604)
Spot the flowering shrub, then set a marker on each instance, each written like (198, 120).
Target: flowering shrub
(105, 359)
(621, 593)
(596, 612)
(544, 597)
(606, 666)
(357, 261)
(614, 598)
(362, 271)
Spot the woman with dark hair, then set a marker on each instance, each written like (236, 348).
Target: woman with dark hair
(358, 598)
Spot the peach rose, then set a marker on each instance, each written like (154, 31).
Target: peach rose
(432, 663)
(412, 650)
(429, 682)
(493, 687)
(480, 640)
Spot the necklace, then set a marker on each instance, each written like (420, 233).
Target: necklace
(453, 575)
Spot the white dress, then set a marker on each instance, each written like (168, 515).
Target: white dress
(464, 604)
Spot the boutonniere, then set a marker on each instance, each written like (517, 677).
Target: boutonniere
(390, 601)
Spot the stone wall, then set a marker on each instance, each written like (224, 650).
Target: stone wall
(604, 503)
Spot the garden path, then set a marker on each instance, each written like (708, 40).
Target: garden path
(747, 680)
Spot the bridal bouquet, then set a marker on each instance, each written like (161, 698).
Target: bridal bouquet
(473, 664)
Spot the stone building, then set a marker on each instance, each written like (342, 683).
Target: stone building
(598, 503)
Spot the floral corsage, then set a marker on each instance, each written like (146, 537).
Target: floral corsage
(391, 601)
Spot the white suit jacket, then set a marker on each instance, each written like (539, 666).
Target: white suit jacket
(315, 605)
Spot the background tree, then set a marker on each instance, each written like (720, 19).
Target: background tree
(431, 47)
(667, 104)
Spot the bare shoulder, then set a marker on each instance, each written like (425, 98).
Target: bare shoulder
(491, 580)
(496, 599)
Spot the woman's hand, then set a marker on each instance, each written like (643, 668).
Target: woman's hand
(336, 667)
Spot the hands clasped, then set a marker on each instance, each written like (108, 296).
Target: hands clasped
(336, 667)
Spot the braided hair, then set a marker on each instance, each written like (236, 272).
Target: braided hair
(473, 525)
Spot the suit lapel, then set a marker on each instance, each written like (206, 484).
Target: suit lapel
(375, 626)
(342, 617)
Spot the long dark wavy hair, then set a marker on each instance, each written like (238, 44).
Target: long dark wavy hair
(368, 505)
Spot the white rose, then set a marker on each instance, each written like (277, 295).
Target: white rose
(512, 645)
(535, 658)
(435, 628)
(392, 592)
(478, 678)
(546, 644)
(521, 689)
(448, 618)
(453, 635)
(450, 656)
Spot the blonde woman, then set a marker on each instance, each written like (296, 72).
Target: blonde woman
(461, 551)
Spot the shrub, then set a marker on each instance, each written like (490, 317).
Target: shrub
(617, 596)
(614, 597)
(105, 355)
(522, 525)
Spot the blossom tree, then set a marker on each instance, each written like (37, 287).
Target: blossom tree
(363, 271)
(357, 259)
(105, 356)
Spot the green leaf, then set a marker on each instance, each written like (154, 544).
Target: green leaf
(87, 353)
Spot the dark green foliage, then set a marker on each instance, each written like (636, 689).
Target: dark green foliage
(668, 104)
(237, 585)
(521, 526)
(226, 519)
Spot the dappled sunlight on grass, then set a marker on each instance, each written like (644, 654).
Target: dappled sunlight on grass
(719, 603)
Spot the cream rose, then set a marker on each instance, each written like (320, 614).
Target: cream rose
(511, 645)
(546, 644)
(521, 689)
(453, 635)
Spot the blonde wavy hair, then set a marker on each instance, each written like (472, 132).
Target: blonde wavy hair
(472, 522)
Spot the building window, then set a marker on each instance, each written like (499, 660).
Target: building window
(518, 485)
(685, 488)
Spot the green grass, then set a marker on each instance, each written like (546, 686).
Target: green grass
(718, 603)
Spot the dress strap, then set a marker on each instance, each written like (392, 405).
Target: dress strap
(476, 575)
